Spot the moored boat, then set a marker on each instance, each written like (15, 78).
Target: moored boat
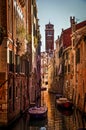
(65, 112)
(58, 95)
(64, 103)
(38, 112)
(43, 88)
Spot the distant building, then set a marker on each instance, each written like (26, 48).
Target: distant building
(49, 37)
(44, 68)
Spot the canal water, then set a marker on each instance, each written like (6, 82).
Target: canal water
(56, 120)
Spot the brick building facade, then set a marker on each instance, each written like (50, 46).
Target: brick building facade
(71, 54)
(16, 56)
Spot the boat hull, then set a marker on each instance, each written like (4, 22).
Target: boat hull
(66, 112)
(38, 112)
(43, 88)
(59, 96)
(64, 104)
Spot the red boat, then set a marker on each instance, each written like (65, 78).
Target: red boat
(38, 112)
(65, 112)
(64, 103)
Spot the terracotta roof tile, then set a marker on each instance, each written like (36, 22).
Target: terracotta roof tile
(67, 32)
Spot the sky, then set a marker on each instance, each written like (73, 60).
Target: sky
(58, 13)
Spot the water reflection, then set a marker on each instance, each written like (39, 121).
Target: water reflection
(56, 120)
(62, 120)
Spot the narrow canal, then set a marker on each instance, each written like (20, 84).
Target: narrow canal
(56, 120)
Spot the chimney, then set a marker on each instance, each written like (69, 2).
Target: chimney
(62, 30)
(73, 23)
